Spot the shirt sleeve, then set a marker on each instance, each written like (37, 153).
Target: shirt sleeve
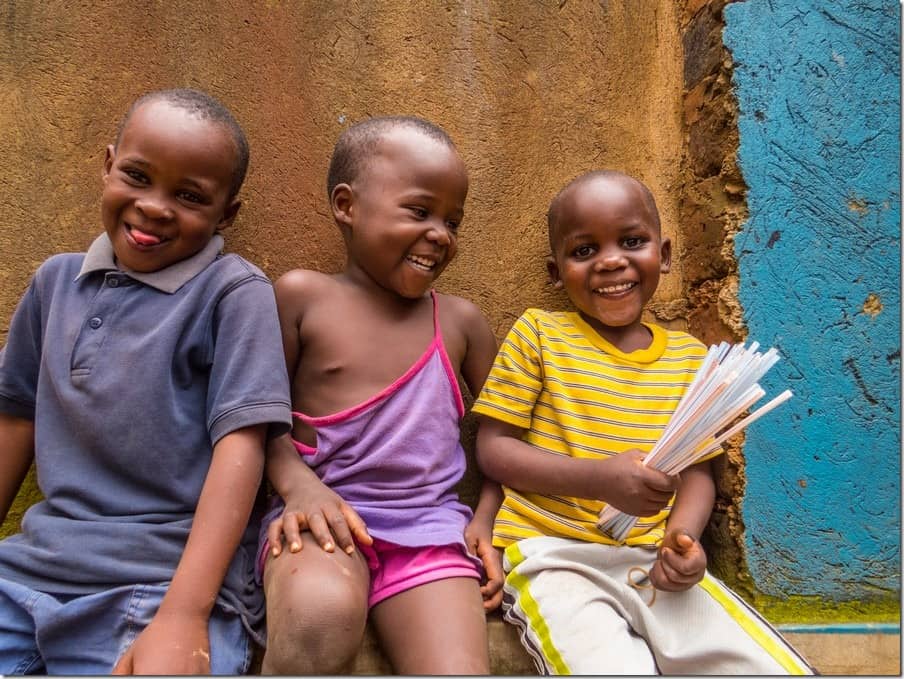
(20, 358)
(513, 385)
(248, 381)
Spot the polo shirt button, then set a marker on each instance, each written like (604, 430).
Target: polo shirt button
(96, 322)
(113, 282)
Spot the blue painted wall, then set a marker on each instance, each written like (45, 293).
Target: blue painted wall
(818, 86)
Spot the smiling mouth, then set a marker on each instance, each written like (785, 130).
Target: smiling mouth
(421, 263)
(614, 289)
(142, 239)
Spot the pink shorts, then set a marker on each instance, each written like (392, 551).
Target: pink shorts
(396, 568)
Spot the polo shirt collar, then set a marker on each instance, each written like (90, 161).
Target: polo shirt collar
(100, 257)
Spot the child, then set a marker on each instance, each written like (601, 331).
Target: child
(141, 377)
(572, 403)
(374, 356)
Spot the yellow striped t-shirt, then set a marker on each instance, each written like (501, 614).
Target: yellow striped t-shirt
(576, 394)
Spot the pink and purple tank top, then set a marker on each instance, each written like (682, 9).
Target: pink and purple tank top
(396, 457)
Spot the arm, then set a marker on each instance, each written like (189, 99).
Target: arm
(620, 480)
(18, 436)
(682, 561)
(479, 539)
(310, 505)
(176, 640)
(478, 359)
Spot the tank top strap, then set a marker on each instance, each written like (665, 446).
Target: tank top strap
(440, 347)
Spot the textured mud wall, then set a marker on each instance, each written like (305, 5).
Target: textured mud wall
(533, 92)
(712, 208)
(818, 86)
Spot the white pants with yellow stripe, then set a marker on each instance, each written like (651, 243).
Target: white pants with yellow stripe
(578, 613)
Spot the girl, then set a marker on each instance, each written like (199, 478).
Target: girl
(374, 356)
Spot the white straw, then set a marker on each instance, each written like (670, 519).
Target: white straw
(722, 389)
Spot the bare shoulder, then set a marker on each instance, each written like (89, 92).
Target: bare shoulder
(459, 310)
(463, 318)
(300, 281)
(301, 286)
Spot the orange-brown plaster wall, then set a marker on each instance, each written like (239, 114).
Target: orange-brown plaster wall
(533, 93)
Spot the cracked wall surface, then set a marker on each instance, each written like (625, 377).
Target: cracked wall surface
(819, 270)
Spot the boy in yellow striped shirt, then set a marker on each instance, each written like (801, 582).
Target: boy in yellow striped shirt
(573, 403)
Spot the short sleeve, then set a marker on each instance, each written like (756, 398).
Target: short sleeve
(20, 358)
(248, 380)
(513, 385)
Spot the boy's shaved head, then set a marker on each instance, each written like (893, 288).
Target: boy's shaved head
(205, 107)
(552, 215)
(360, 142)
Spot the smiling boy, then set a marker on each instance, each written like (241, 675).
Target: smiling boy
(141, 378)
(573, 402)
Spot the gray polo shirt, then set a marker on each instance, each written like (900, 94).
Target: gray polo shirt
(131, 379)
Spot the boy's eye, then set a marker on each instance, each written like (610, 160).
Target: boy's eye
(190, 197)
(582, 251)
(419, 212)
(634, 242)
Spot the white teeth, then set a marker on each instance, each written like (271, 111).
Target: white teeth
(422, 262)
(621, 287)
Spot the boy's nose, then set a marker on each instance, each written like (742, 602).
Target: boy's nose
(609, 262)
(154, 208)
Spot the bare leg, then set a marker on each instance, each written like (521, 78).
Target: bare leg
(316, 610)
(435, 628)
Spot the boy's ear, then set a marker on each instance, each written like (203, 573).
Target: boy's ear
(553, 270)
(108, 162)
(665, 255)
(342, 201)
(229, 215)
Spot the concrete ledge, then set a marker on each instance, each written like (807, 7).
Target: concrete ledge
(856, 650)
(837, 649)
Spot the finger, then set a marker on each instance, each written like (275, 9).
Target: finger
(274, 536)
(665, 579)
(491, 603)
(658, 578)
(492, 565)
(357, 526)
(667, 567)
(341, 532)
(320, 529)
(292, 525)
(663, 483)
(676, 561)
(680, 571)
(684, 542)
(124, 664)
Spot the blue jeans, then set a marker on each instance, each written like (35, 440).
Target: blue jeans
(86, 634)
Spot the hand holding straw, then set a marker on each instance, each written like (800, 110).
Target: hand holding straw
(724, 386)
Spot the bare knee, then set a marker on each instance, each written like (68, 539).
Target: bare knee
(313, 626)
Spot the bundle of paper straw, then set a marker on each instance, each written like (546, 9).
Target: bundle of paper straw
(724, 387)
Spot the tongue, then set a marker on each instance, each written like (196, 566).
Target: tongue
(143, 238)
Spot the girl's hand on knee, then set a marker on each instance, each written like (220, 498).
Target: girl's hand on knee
(317, 509)
(681, 563)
